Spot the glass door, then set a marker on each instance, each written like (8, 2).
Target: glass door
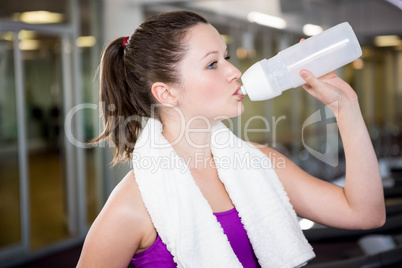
(41, 185)
(46, 151)
(11, 186)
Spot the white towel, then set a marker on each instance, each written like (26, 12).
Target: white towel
(185, 221)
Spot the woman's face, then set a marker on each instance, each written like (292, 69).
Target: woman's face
(208, 80)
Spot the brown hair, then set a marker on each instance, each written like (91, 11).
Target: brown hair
(150, 55)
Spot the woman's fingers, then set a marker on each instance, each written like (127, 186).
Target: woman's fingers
(323, 91)
(309, 78)
(329, 75)
(328, 89)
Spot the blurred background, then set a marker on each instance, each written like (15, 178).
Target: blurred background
(52, 185)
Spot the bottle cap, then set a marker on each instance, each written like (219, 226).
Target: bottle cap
(259, 82)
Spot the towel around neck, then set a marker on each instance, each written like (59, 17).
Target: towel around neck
(185, 221)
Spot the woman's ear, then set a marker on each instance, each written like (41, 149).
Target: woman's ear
(164, 94)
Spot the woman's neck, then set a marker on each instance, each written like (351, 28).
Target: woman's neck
(191, 139)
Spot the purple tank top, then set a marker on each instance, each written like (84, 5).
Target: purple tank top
(158, 256)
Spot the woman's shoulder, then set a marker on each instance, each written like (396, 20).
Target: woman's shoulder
(125, 202)
(121, 228)
(124, 208)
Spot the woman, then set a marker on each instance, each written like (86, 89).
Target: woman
(200, 210)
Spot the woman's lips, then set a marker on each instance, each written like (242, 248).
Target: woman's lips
(237, 94)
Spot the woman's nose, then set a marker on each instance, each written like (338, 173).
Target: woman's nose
(233, 72)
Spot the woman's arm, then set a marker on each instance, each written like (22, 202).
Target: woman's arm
(118, 231)
(360, 204)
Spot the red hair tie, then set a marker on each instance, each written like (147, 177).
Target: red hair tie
(125, 41)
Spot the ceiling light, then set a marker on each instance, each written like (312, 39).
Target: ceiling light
(25, 34)
(266, 20)
(86, 41)
(312, 29)
(386, 40)
(29, 44)
(40, 17)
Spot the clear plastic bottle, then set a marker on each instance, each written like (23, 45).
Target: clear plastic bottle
(319, 54)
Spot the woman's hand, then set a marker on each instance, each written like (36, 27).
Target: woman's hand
(329, 89)
(361, 202)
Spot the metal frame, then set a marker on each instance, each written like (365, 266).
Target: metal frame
(75, 164)
(79, 123)
(22, 143)
(22, 155)
(69, 150)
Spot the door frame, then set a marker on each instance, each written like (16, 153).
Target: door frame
(75, 158)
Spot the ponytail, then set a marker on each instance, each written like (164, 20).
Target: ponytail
(120, 112)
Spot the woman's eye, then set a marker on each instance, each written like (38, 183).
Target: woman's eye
(212, 65)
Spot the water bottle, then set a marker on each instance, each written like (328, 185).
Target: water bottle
(319, 54)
